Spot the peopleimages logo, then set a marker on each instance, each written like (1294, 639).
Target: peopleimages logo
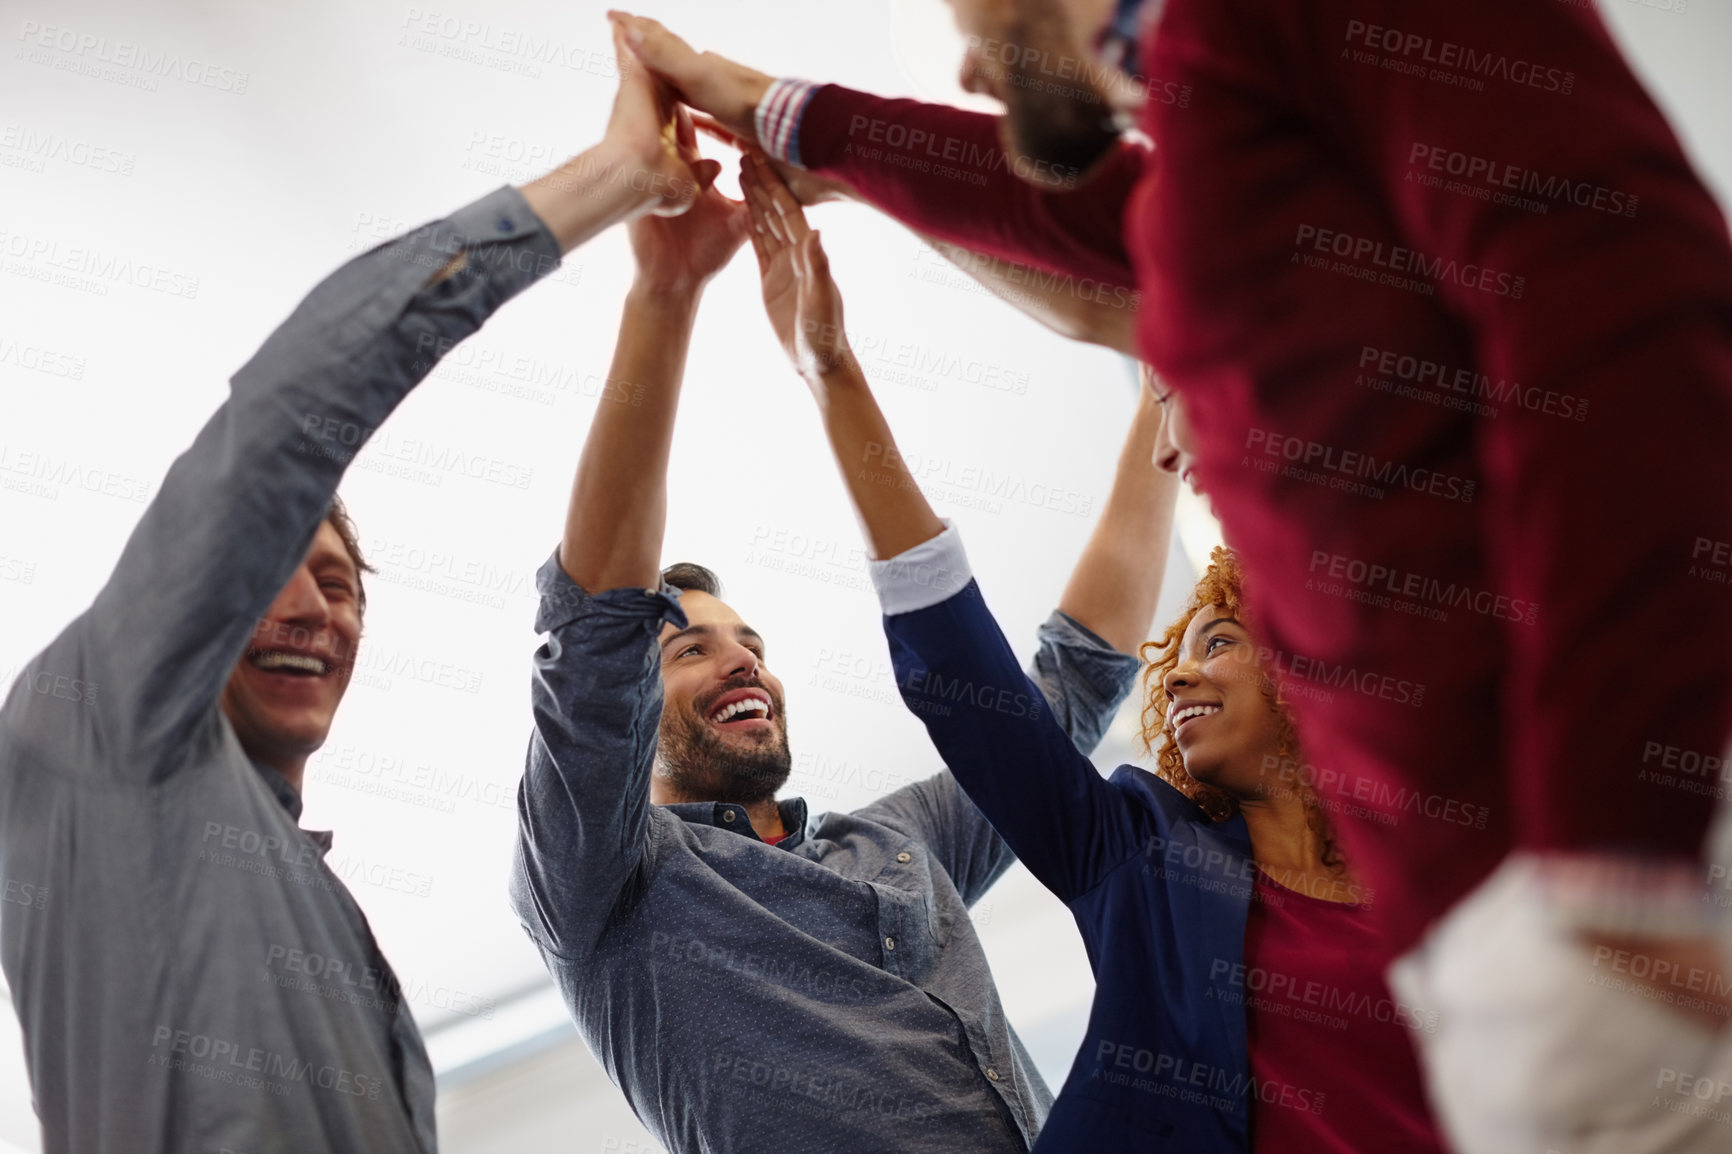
(1266, 448)
(1369, 254)
(922, 151)
(1498, 182)
(99, 56)
(1403, 583)
(1415, 54)
(1425, 373)
(225, 1060)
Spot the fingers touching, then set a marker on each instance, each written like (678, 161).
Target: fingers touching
(774, 209)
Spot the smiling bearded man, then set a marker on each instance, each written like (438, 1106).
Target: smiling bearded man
(753, 980)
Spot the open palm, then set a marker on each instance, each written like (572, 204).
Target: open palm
(682, 253)
(800, 296)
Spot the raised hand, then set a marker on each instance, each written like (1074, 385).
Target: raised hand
(807, 187)
(654, 137)
(800, 297)
(646, 162)
(714, 84)
(680, 254)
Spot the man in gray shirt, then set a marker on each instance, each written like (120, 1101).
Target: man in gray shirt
(151, 756)
(752, 977)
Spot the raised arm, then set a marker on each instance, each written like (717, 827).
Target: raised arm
(235, 514)
(618, 508)
(1117, 581)
(805, 309)
(1087, 311)
(928, 568)
(584, 803)
(940, 170)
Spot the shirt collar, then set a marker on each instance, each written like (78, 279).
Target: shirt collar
(731, 815)
(1120, 40)
(290, 799)
(279, 785)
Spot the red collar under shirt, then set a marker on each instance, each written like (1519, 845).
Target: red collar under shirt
(1333, 1068)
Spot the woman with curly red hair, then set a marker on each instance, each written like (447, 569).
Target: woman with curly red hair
(1316, 1012)
(1239, 1000)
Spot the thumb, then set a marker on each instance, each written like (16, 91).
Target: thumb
(715, 129)
(705, 173)
(660, 50)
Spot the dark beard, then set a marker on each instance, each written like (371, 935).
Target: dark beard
(702, 766)
(1068, 124)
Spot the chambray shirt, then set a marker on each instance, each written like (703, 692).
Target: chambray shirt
(162, 903)
(827, 993)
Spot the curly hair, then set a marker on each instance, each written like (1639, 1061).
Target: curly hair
(1223, 584)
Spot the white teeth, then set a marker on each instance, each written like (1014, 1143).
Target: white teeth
(302, 662)
(744, 705)
(1191, 711)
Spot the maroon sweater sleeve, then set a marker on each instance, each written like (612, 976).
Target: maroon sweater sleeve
(1625, 298)
(943, 172)
(1367, 191)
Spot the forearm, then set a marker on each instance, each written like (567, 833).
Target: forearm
(583, 804)
(206, 560)
(1104, 315)
(894, 514)
(943, 172)
(1117, 581)
(618, 510)
(592, 191)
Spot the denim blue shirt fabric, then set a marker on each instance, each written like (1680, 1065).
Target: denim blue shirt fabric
(1159, 891)
(826, 994)
(170, 887)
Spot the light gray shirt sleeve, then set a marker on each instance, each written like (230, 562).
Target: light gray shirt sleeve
(237, 510)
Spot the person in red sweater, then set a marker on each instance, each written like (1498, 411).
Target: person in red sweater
(1452, 318)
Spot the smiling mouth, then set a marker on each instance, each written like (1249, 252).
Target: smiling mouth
(1191, 713)
(291, 664)
(754, 708)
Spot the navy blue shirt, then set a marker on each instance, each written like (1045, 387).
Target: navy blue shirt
(1159, 891)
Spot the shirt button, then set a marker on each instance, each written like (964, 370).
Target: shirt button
(903, 857)
(889, 943)
(727, 815)
(993, 1074)
(503, 224)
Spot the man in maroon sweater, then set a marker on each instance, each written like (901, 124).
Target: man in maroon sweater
(1452, 319)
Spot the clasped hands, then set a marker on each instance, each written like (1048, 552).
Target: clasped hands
(680, 242)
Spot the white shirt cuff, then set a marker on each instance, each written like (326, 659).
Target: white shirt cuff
(932, 572)
(778, 119)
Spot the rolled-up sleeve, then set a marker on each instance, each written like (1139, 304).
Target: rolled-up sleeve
(583, 804)
(955, 671)
(1084, 679)
(238, 509)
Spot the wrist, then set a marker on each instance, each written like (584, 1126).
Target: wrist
(837, 369)
(634, 174)
(671, 298)
(587, 193)
(750, 90)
